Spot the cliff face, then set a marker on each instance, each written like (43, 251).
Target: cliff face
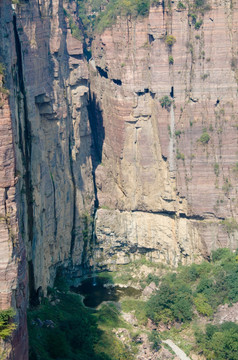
(47, 191)
(53, 139)
(168, 174)
(146, 131)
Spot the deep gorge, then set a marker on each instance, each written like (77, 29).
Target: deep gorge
(115, 145)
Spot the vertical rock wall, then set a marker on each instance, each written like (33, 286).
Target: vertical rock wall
(53, 141)
(163, 190)
(13, 272)
(46, 184)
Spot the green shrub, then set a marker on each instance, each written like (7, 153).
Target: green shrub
(204, 138)
(216, 169)
(170, 40)
(171, 60)
(179, 155)
(181, 6)
(178, 133)
(223, 253)
(165, 102)
(202, 306)
(154, 338)
(219, 342)
(198, 24)
(6, 324)
(171, 302)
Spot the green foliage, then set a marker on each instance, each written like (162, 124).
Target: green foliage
(181, 6)
(60, 282)
(222, 253)
(170, 40)
(202, 306)
(2, 69)
(6, 324)
(179, 155)
(226, 186)
(78, 333)
(171, 60)
(165, 102)
(178, 133)
(121, 7)
(216, 169)
(155, 340)
(138, 306)
(74, 29)
(198, 24)
(203, 287)
(219, 342)
(171, 302)
(152, 278)
(204, 138)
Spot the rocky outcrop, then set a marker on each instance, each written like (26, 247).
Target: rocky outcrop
(168, 173)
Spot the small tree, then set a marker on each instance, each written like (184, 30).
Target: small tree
(171, 60)
(170, 40)
(165, 102)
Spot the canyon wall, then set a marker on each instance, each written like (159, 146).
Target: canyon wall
(46, 182)
(168, 172)
(132, 153)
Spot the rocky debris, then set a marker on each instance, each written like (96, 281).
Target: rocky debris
(123, 335)
(148, 290)
(226, 313)
(130, 318)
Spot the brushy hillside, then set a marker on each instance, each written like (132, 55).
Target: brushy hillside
(182, 308)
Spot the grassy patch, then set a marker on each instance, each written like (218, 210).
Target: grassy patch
(136, 306)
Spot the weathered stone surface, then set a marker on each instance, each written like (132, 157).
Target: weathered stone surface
(13, 276)
(153, 162)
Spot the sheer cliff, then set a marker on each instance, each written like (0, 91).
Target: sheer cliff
(131, 151)
(167, 88)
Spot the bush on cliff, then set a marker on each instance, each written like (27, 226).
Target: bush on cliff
(6, 324)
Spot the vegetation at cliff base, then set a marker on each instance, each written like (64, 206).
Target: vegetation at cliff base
(184, 301)
(201, 287)
(6, 324)
(65, 329)
(218, 341)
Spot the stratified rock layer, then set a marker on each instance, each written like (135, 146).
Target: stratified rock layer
(161, 187)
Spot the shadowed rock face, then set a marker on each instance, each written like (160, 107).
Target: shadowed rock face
(163, 178)
(46, 184)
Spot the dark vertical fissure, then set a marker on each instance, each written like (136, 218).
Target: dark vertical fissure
(73, 231)
(98, 134)
(25, 147)
(54, 199)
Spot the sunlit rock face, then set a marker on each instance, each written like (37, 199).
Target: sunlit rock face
(168, 174)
